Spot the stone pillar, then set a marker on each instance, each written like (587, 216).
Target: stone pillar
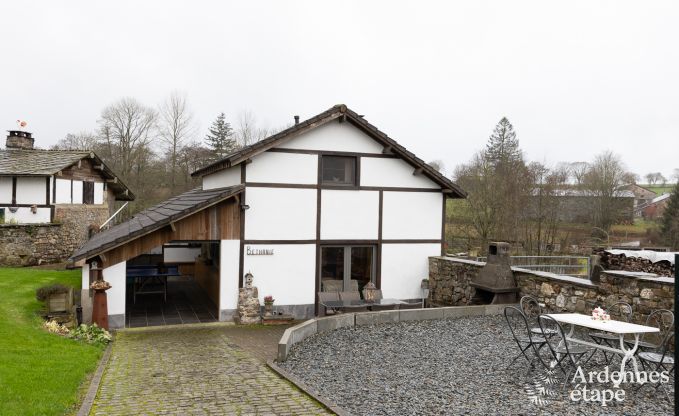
(248, 302)
(248, 306)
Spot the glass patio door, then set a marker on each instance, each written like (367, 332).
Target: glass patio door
(346, 268)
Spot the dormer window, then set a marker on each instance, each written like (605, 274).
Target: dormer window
(338, 170)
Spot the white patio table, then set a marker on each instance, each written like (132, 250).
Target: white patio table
(616, 327)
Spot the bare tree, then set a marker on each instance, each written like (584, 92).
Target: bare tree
(83, 140)
(542, 217)
(476, 178)
(247, 131)
(175, 127)
(438, 165)
(126, 128)
(577, 171)
(605, 180)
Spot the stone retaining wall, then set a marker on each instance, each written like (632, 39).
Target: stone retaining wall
(449, 285)
(34, 244)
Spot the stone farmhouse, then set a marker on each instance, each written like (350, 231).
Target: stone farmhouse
(50, 200)
(329, 204)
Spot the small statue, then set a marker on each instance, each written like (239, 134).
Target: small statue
(248, 280)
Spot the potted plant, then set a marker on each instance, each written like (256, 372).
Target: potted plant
(268, 305)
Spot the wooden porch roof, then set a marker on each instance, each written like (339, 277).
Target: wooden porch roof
(183, 217)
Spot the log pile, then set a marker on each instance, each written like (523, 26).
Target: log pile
(634, 264)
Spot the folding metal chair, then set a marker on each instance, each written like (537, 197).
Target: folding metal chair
(527, 342)
(663, 319)
(564, 355)
(659, 359)
(532, 310)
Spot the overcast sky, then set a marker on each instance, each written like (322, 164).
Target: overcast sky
(574, 77)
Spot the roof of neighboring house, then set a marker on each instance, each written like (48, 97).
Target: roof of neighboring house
(640, 191)
(586, 193)
(660, 198)
(38, 162)
(154, 218)
(343, 113)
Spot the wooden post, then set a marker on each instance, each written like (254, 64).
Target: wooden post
(99, 303)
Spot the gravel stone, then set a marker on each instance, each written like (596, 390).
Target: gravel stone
(448, 367)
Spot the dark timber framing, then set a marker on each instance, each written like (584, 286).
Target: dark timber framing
(241, 257)
(340, 187)
(14, 191)
(391, 150)
(443, 226)
(332, 153)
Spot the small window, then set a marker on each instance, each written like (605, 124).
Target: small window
(2, 215)
(88, 193)
(338, 170)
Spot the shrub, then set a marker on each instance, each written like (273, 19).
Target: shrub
(91, 334)
(55, 327)
(44, 292)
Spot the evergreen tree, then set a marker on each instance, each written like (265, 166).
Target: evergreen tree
(219, 137)
(670, 220)
(502, 149)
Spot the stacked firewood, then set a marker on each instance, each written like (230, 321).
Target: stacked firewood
(634, 264)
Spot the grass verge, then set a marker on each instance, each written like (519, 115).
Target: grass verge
(40, 373)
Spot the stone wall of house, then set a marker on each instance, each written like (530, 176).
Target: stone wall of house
(449, 286)
(33, 244)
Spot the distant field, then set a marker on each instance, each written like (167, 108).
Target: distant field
(659, 190)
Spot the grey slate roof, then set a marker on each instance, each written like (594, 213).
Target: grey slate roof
(334, 112)
(39, 162)
(154, 218)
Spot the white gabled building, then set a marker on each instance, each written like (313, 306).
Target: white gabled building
(330, 203)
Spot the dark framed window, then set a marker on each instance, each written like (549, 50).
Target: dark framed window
(338, 170)
(346, 268)
(88, 193)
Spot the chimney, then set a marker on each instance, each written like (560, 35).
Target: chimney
(17, 139)
(296, 120)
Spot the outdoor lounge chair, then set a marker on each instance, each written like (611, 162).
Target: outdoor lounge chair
(350, 295)
(328, 297)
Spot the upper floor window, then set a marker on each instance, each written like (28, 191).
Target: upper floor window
(338, 170)
(88, 192)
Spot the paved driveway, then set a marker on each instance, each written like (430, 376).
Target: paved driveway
(196, 370)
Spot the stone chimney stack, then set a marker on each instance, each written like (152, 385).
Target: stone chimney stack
(17, 139)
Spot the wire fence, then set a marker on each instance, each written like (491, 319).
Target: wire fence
(576, 266)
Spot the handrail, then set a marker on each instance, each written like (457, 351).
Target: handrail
(114, 215)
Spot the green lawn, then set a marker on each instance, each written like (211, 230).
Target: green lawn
(40, 373)
(658, 189)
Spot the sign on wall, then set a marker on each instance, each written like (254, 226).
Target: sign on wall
(250, 251)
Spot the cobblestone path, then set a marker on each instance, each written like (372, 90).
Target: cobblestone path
(192, 370)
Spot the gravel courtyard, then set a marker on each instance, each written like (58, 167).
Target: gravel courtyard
(445, 367)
